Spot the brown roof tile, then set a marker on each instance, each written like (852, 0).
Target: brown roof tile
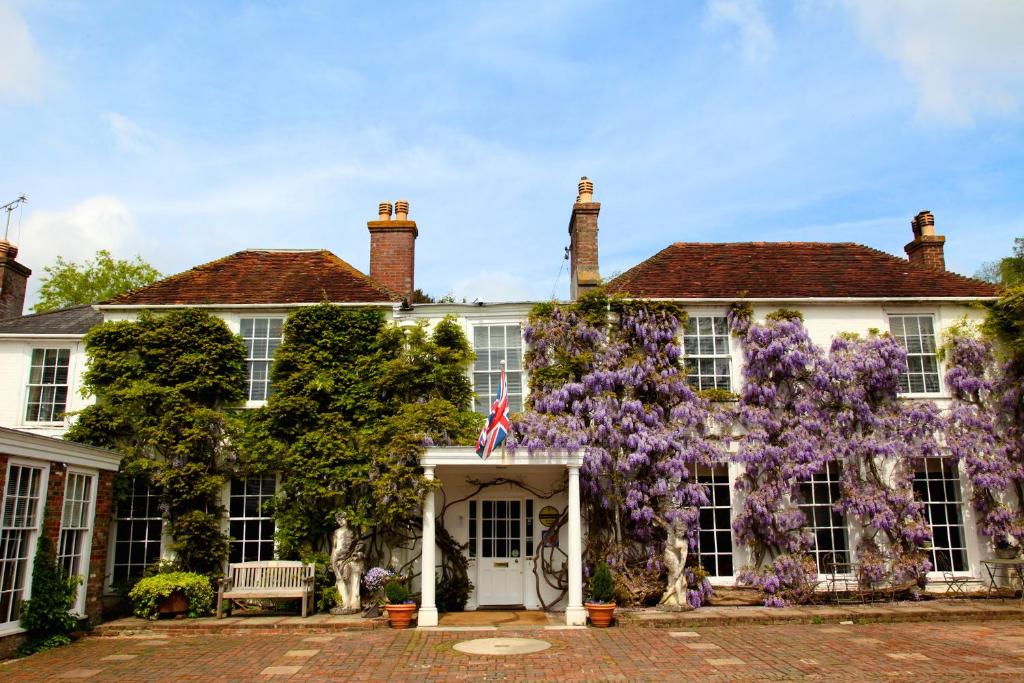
(694, 270)
(258, 276)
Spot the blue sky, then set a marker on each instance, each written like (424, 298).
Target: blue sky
(187, 131)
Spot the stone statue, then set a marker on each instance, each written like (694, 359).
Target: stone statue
(347, 563)
(677, 547)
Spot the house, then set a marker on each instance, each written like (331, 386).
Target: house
(838, 287)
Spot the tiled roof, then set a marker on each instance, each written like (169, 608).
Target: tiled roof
(75, 320)
(694, 270)
(258, 276)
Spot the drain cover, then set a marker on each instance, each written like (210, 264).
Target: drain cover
(502, 646)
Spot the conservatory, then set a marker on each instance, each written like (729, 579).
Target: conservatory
(518, 515)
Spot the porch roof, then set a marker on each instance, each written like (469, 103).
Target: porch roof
(466, 456)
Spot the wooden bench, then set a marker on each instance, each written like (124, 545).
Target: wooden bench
(266, 581)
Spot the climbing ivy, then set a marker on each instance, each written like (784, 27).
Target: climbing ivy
(162, 385)
(356, 400)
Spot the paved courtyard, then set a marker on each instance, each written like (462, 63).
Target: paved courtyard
(978, 650)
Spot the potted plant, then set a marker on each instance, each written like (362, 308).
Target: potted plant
(400, 608)
(1006, 547)
(601, 606)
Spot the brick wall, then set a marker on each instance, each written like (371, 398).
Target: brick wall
(393, 255)
(584, 273)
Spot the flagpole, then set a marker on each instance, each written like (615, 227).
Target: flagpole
(503, 454)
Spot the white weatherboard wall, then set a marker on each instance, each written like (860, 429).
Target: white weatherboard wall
(15, 363)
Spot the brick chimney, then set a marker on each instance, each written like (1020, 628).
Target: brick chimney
(926, 250)
(583, 270)
(13, 282)
(393, 248)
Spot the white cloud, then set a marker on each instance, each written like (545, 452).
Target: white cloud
(22, 66)
(965, 59)
(755, 38)
(77, 233)
(129, 136)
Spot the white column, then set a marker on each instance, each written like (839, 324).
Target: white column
(428, 606)
(575, 613)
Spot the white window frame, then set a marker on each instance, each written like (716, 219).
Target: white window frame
(936, 331)
(717, 469)
(28, 384)
(226, 501)
(10, 627)
(490, 392)
(250, 359)
(961, 509)
(84, 541)
(815, 551)
(109, 586)
(696, 316)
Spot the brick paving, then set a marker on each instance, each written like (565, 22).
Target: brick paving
(951, 651)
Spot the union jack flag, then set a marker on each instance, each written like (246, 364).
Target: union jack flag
(496, 428)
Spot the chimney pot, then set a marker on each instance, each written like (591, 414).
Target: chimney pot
(927, 249)
(384, 211)
(402, 210)
(586, 188)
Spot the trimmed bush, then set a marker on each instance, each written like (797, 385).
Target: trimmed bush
(150, 591)
(602, 586)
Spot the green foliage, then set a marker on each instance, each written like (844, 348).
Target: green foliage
(1005, 321)
(46, 616)
(452, 592)
(162, 384)
(356, 400)
(1007, 271)
(396, 592)
(602, 585)
(147, 594)
(785, 314)
(68, 283)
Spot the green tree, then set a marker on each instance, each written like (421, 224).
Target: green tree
(1007, 271)
(162, 384)
(68, 283)
(356, 400)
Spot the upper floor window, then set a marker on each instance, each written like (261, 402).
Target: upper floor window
(48, 385)
(261, 336)
(706, 353)
(493, 344)
(917, 334)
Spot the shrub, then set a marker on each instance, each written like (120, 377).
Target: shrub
(396, 592)
(47, 615)
(148, 592)
(602, 586)
(453, 593)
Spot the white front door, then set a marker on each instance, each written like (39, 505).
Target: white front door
(500, 552)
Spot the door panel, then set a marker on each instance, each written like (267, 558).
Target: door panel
(500, 560)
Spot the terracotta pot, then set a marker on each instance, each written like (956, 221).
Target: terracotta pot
(601, 613)
(400, 615)
(175, 603)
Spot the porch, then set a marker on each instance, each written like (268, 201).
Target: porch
(512, 511)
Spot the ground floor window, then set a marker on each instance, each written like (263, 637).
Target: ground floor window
(937, 484)
(76, 529)
(714, 541)
(828, 526)
(138, 529)
(250, 525)
(18, 530)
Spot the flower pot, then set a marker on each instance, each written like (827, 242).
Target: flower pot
(1007, 553)
(400, 615)
(601, 613)
(175, 603)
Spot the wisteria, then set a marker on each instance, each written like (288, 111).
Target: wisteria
(983, 431)
(607, 379)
